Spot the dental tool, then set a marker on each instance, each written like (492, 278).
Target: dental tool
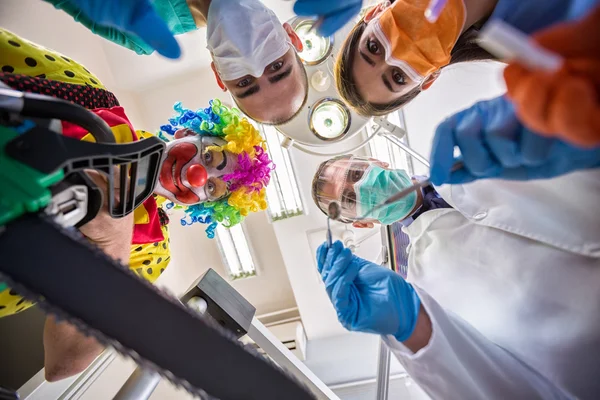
(333, 212)
(509, 43)
(434, 10)
(315, 27)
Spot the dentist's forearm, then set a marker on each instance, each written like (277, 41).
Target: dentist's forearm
(422, 333)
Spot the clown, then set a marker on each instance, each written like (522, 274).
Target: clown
(215, 164)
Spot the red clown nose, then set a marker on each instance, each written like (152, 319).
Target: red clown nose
(197, 175)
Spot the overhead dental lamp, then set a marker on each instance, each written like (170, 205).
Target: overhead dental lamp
(315, 48)
(329, 119)
(324, 119)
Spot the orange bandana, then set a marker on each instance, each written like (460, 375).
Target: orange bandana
(414, 44)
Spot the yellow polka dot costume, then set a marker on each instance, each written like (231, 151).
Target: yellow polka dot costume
(148, 258)
(20, 56)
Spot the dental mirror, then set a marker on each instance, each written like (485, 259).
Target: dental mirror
(333, 213)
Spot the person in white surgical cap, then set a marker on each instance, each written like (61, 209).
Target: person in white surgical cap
(254, 54)
(254, 57)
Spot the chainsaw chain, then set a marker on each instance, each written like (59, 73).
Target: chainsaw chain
(62, 316)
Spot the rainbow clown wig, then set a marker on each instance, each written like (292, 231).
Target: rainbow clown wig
(247, 183)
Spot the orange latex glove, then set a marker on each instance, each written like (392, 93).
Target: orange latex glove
(566, 103)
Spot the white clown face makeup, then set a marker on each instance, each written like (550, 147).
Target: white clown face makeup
(192, 174)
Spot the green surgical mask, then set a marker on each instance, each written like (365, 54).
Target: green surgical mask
(376, 186)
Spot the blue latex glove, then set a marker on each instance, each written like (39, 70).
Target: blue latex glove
(367, 297)
(335, 13)
(494, 144)
(135, 16)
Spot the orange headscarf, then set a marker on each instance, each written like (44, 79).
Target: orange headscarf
(413, 43)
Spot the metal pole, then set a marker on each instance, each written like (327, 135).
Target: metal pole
(284, 357)
(139, 386)
(383, 371)
(383, 359)
(141, 383)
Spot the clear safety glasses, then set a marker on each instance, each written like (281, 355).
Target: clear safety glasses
(335, 181)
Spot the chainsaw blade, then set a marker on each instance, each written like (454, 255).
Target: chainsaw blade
(109, 302)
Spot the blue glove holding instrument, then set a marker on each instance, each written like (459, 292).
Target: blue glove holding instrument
(334, 13)
(367, 297)
(494, 144)
(134, 16)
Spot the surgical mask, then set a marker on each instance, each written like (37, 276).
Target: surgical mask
(244, 37)
(376, 186)
(414, 44)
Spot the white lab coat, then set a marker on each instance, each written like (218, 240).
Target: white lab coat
(511, 280)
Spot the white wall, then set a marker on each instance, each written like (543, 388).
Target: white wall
(348, 364)
(134, 72)
(457, 88)
(192, 253)
(193, 88)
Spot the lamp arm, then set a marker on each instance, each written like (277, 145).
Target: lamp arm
(394, 134)
(351, 150)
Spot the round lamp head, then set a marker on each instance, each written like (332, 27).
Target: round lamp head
(329, 119)
(316, 48)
